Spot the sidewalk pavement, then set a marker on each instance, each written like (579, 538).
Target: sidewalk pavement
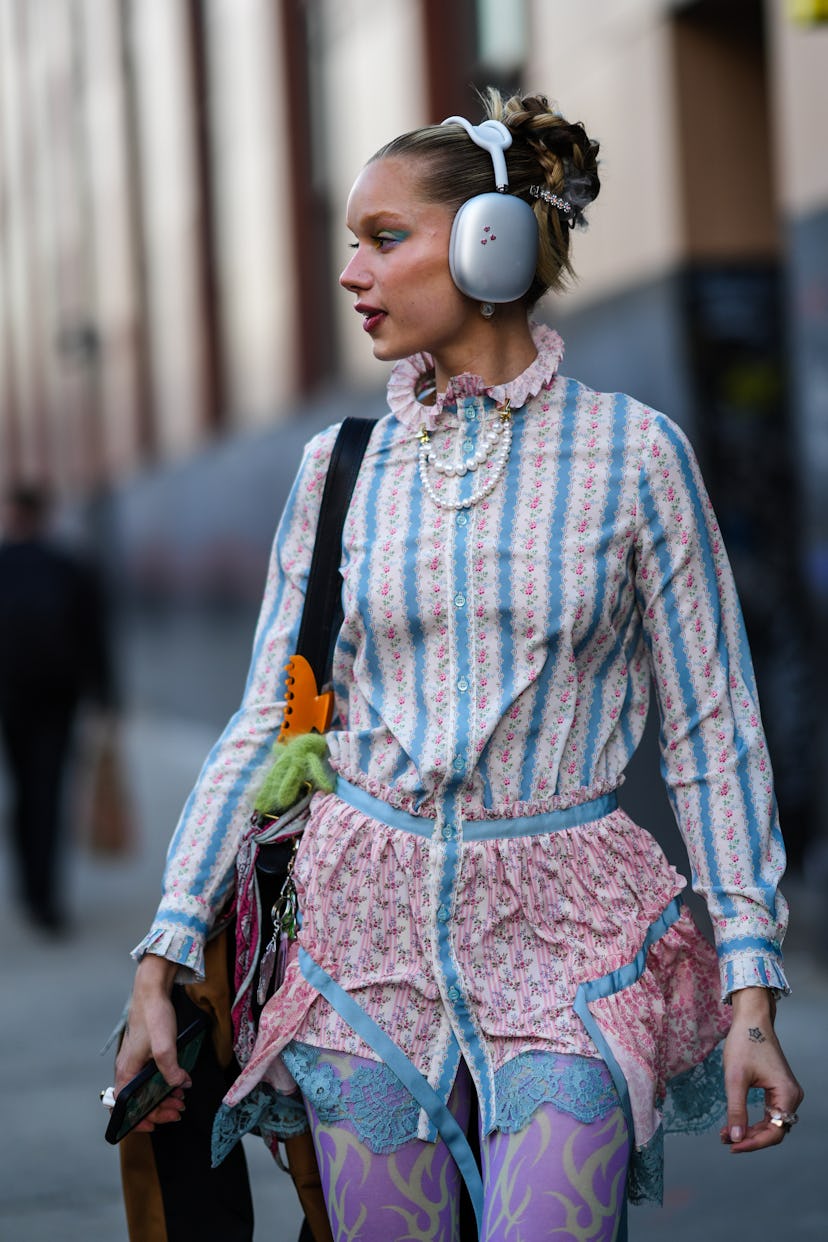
(58, 1178)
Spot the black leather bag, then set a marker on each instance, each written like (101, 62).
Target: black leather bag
(321, 622)
(171, 1193)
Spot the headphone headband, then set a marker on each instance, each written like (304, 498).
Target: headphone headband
(492, 136)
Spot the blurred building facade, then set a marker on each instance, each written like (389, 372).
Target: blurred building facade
(173, 179)
(173, 176)
(172, 183)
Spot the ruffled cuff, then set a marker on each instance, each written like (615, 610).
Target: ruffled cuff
(177, 944)
(759, 966)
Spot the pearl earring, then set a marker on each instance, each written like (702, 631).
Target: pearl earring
(486, 310)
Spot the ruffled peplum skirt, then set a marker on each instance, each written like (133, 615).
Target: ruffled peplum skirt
(549, 948)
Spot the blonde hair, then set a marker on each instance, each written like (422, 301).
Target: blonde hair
(547, 152)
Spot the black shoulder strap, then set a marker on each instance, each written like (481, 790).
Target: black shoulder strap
(322, 613)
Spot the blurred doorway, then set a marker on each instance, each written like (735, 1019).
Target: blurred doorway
(733, 310)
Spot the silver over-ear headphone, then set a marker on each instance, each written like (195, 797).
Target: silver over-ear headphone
(493, 249)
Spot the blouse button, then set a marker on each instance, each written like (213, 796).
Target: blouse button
(443, 914)
(462, 519)
(468, 446)
(459, 600)
(462, 684)
(448, 832)
(459, 763)
(453, 994)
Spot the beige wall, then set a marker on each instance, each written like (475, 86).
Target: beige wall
(109, 232)
(45, 272)
(256, 280)
(17, 249)
(607, 64)
(372, 92)
(729, 209)
(800, 113)
(171, 214)
(68, 240)
(612, 64)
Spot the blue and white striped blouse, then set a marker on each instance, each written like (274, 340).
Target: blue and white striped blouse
(502, 655)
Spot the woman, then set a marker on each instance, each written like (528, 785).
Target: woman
(481, 923)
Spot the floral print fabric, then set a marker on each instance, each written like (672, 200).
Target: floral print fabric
(534, 918)
(504, 656)
(495, 662)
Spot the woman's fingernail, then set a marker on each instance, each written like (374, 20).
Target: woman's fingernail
(736, 1134)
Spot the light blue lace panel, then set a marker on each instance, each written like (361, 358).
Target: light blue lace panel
(366, 1093)
(695, 1101)
(384, 1115)
(370, 1097)
(264, 1111)
(579, 1086)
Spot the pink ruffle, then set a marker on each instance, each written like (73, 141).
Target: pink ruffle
(281, 1018)
(408, 374)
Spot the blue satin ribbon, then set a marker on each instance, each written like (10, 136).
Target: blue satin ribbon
(607, 985)
(479, 829)
(617, 981)
(411, 1078)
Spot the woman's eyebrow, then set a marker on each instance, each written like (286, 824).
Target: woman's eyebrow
(383, 218)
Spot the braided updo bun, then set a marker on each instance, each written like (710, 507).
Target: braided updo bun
(553, 154)
(552, 164)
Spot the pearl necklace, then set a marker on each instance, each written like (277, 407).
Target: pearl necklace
(494, 446)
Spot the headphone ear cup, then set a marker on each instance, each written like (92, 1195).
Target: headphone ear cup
(493, 249)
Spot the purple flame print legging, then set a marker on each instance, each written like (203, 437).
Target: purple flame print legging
(557, 1178)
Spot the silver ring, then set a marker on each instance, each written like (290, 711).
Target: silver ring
(108, 1097)
(783, 1121)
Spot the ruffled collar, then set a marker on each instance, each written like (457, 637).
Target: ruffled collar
(409, 379)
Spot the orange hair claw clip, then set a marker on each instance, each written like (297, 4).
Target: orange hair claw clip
(306, 710)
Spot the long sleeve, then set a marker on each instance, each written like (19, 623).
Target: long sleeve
(200, 868)
(714, 754)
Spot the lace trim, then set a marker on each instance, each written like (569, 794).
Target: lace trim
(381, 1110)
(264, 1111)
(645, 1175)
(579, 1086)
(318, 1083)
(384, 1115)
(695, 1101)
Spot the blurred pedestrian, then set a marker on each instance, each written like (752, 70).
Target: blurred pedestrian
(483, 930)
(54, 653)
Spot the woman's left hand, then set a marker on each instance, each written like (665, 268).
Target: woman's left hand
(753, 1057)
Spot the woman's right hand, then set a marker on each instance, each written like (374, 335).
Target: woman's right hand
(150, 1032)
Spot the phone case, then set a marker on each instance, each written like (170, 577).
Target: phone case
(149, 1087)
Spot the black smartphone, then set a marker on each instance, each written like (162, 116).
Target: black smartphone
(149, 1087)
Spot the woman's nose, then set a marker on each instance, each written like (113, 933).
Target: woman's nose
(355, 274)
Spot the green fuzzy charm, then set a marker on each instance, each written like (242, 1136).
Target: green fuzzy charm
(299, 764)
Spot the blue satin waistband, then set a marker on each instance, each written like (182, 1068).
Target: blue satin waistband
(479, 829)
